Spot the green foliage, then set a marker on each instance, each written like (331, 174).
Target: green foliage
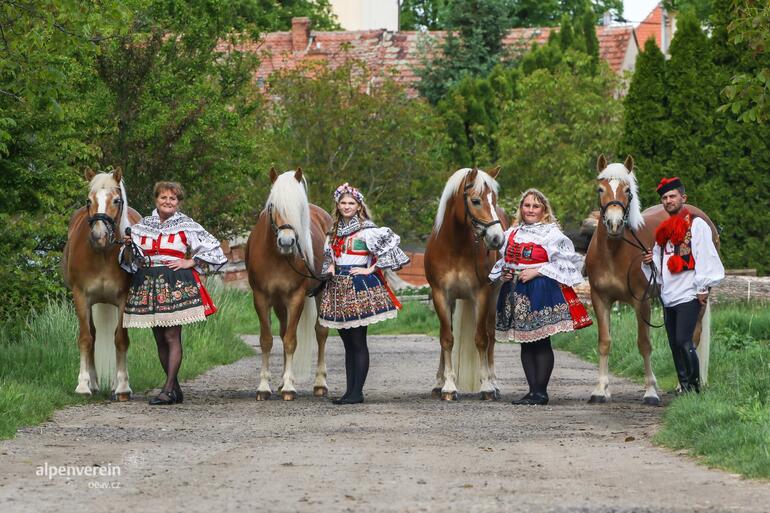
(421, 14)
(552, 132)
(341, 124)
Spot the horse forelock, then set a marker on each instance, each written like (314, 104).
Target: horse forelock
(618, 171)
(289, 199)
(453, 185)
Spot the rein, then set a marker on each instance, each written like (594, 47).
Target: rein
(650, 288)
(311, 274)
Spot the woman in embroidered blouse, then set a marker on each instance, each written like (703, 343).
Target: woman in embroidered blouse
(539, 269)
(166, 291)
(357, 293)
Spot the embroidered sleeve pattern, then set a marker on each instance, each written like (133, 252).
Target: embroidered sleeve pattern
(497, 269)
(384, 244)
(328, 256)
(205, 247)
(563, 261)
(709, 270)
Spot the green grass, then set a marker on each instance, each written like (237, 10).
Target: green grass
(728, 424)
(39, 359)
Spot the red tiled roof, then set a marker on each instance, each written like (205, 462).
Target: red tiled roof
(650, 27)
(399, 52)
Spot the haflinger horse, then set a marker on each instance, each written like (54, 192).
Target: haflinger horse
(613, 264)
(99, 286)
(459, 255)
(284, 255)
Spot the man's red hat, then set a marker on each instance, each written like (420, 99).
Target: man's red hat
(669, 184)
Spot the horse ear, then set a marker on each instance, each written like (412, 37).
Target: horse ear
(298, 174)
(494, 172)
(629, 163)
(89, 174)
(471, 176)
(601, 162)
(273, 175)
(117, 174)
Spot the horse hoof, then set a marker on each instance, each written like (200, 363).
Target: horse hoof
(651, 401)
(435, 393)
(263, 395)
(122, 397)
(597, 399)
(288, 396)
(488, 396)
(449, 396)
(320, 391)
(497, 395)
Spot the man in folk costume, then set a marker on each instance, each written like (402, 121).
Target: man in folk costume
(687, 265)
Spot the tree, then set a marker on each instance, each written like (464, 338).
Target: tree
(421, 14)
(553, 131)
(647, 121)
(343, 125)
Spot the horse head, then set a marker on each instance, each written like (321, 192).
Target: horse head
(476, 205)
(289, 213)
(106, 207)
(618, 196)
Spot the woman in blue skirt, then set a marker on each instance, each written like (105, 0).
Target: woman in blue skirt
(357, 294)
(539, 267)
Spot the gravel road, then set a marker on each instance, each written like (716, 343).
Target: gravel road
(400, 451)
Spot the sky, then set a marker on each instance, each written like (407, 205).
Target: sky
(636, 10)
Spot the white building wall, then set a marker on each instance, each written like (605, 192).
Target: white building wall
(366, 14)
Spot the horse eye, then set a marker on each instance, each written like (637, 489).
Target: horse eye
(599, 190)
(117, 201)
(476, 201)
(88, 202)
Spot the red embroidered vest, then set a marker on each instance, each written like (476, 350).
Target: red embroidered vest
(524, 252)
(677, 229)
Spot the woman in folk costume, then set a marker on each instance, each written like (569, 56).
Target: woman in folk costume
(357, 293)
(539, 267)
(688, 266)
(166, 291)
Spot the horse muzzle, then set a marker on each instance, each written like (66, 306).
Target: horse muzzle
(493, 237)
(286, 244)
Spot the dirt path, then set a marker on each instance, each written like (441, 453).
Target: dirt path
(401, 451)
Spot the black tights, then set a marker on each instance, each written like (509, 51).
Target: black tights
(356, 361)
(169, 342)
(537, 360)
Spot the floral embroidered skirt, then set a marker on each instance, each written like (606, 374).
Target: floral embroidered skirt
(351, 301)
(539, 308)
(160, 296)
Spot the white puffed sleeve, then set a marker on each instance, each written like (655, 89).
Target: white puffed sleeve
(563, 261)
(497, 269)
(709, 270)
(206, 248)
(328, 255)
(384, 244)
(647, 269)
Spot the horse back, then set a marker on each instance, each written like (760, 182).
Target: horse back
(656, 214)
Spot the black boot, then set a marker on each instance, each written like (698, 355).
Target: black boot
(693, 370)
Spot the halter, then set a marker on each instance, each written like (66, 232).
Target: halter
(108, 221)
(274, 226)
(475, 221)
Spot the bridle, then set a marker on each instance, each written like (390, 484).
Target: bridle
(108, 221)
(651, 288)
(276, 228)
(479, 232)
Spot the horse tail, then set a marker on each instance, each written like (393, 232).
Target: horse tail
(704, 344)
(305, 340)
(105, 319)
(464, 353)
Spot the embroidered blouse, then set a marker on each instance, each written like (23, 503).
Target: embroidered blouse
(360, 244)
(541, 246)
(165, 241)
(684, 286)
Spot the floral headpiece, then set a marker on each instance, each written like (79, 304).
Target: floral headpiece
(346, 188)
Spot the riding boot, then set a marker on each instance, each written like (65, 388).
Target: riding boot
(693, 369)
(680, 364)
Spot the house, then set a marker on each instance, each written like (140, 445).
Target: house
(660, 25)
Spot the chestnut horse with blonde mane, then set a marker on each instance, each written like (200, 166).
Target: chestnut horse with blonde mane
(459, 255)
(99, 286)
(613, 263)
(284, 254)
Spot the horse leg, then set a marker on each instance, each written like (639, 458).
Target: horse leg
(85, 342)
(122, 388)
(645, 349)
(601, 393)
(482, 344)
(94, 381)
(443, 310)
(262, 307)
(291, 319)
(436, 392)
(490, 326)
(320, 388)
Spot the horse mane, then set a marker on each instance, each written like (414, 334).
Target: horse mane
(107, 181)
(618, 171)
(284, 196)
(452, 186)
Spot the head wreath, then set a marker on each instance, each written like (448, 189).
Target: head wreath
(344, 189)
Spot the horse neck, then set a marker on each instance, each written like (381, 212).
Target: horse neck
(457, 234)
(604, 242)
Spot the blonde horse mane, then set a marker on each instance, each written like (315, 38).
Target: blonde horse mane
(289, 198)
(102, 181)
(619, 172)
(453, 185)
